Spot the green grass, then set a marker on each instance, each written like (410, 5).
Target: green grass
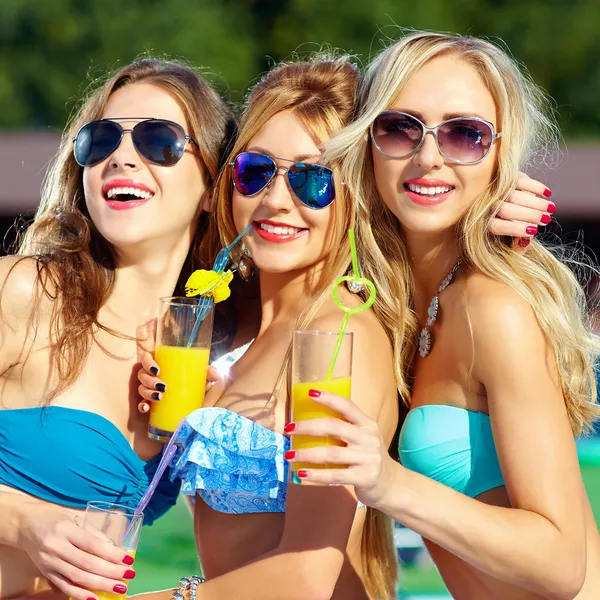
(167, 550)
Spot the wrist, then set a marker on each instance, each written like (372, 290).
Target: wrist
(394, 494)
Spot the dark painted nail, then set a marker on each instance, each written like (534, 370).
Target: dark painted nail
(161, 387)
(531, 230)
(546, 219)
(290, 454)
(524, 242)
(154, 371)
(551, 208)
(289, 427)
(129, 574)
(303, 473)
(314, 393)
(92, 599)
(547, 193)
(128, 560)
(155, 396)
(120, 588)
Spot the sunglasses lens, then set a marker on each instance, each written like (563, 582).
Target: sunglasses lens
(96, 141)
(160, 142)
(252, 172)
(312, 184)
(465, 140)
(396, 134)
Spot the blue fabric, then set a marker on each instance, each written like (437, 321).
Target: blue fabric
(69, 457)
(234, 464)
(453, 446)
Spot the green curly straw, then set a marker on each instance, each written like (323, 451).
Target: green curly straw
(355, 278)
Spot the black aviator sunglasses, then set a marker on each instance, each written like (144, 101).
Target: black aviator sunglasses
(159, 141)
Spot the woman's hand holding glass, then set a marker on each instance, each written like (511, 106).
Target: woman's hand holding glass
(364, 462)
(151, 387)
(72, 559)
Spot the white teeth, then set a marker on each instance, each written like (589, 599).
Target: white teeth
(428, 190)
(279, 230)
(131, 191)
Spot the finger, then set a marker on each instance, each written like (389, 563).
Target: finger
(533, 186)
(144, 407)
(344, 407)
(330, 455)
(68, 588)
(149, 364)
(80, 581)
(149, 395)
(212, 375)
(329, 427)
(512, 228)
(151, 382)
(532, 216)
(329, 476)
(99, 547)
(527, 200)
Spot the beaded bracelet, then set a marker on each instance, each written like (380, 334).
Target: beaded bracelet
(185, 584)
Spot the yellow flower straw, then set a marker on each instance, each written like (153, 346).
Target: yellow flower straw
(349, 310)
(215, 284)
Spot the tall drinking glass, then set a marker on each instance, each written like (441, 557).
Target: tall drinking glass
(311, 356)
(182, 353)
(117, 523)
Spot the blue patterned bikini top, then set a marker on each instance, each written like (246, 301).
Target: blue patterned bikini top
(70, 457)
(234, 464)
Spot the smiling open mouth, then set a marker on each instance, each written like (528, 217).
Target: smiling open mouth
(428, 190)
(126, 194)
(277, 232)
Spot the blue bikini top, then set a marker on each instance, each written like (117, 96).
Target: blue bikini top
(452, 445)
(234, 464)
(69, 456)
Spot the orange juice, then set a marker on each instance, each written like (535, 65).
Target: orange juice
(304, 408)
(184, 372)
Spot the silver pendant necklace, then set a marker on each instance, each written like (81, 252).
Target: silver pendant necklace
(432, 313)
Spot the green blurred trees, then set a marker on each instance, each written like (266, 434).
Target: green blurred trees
(49, 50)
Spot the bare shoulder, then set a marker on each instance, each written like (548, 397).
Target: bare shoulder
(24, 284)
(496, 307)
(506, 333)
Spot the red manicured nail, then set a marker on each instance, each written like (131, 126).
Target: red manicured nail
(546, 219)
(551, 208)
(303, 473)
(290, 454)
(128, 560)
(547, 193)
(129, 574)
(289, 427)
(120, 588)
(92, 599)
(524, 242)
(314, 393)
(531, 230)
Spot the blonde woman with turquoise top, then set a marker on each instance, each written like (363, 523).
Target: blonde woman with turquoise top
(494, 351)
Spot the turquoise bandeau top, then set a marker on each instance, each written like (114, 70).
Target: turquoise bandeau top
(452, 445)
(69, 457)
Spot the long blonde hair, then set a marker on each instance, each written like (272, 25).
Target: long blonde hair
(322, 93)
(75, 263)
(542, 279)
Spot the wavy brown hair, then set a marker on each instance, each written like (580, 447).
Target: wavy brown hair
(76, 265)
(322, 93)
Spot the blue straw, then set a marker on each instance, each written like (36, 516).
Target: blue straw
(206, 302)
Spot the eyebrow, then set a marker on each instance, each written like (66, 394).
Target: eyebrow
(454, 115)
(297, 158)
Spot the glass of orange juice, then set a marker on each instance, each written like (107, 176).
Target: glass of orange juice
(312, 352)
(119, 524)
(182, 353)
